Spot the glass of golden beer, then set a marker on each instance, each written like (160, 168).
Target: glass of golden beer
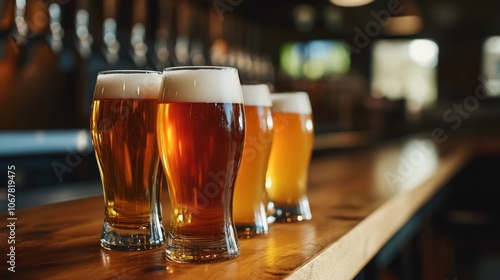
(201, 131)
(248, 207)
(123, 128)
(286, 179)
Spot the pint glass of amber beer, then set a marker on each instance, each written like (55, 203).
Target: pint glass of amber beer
(286, 181)
(123, 128)
(201, 131)
(248, 207)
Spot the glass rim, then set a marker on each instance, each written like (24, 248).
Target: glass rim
(222, 68)
(289, 93)
(107, 72)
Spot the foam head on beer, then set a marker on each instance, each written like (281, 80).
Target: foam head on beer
(294, 102)
(128, 85)
(201, 85)
(256, 95)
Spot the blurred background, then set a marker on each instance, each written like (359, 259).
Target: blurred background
(374, 70)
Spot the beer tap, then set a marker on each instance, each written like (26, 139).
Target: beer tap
(218, 48)
(84, 37)
(253, 38)
(139, 47)
(247, 51)
(196, 29)
(8, 49)
(196, 52)
(181, 50)
(229, 34)
(56, 30)
(7, 13)
(163, 53)
(40, 66)
(110, 33)
(239, 51)
(21, 27)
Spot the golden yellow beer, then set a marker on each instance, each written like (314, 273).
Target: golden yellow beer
(123, 129)
(201, 131)
(248, 206)
(286, 181)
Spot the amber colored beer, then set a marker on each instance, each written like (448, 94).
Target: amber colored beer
(248, 207)
(201, 145)
(201, 130)
(127, 170)
(286, 182)
(123, 128)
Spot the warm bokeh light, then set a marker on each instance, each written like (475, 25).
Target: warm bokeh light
(404, 25)
(350, 3)
(304, 16)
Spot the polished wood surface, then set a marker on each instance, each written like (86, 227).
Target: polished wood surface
(359, 199)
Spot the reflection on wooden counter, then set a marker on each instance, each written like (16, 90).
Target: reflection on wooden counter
(359, 200)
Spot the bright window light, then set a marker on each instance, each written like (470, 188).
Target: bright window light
(405, 69)
(424, 52)
(491, 65)
(315, 59)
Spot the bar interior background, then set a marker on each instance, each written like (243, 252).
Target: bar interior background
(375, 72)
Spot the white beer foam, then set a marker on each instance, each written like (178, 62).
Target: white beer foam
(201, 85)
(256, 95)
(128, 85)
(291, 102)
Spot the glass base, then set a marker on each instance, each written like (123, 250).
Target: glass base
(185, 250)
(249, 231)
(289, 213)
(132, 239)
(259, 226)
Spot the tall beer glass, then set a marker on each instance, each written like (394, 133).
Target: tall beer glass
(201, 130)
(248, 207)
(286, 181)
(123, 128)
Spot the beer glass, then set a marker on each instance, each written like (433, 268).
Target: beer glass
(123, 128)
(201, 131)
(248, 207)
(286, 180)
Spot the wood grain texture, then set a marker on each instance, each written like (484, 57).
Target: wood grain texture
(358, 201)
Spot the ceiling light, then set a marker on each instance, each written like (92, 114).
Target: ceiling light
(304, 16)
(404, 25)
(350, 3)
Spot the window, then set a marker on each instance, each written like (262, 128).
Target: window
(405, 69)
(491, 65)
(314, 59)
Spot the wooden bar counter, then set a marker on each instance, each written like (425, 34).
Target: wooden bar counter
(359, 200)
